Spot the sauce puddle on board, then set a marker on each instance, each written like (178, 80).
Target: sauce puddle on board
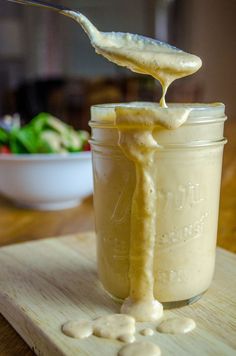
(140, 349)
(113, 326)
(147, 332)
(176, 326)
(123, 327)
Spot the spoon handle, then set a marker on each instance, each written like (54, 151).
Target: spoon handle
(40, 3)
(84, 22)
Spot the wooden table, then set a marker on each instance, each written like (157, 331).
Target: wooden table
(18, 225)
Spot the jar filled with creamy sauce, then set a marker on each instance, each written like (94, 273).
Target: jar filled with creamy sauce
(181, 195)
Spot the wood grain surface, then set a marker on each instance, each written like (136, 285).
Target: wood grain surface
(18, 225)
(45, 283)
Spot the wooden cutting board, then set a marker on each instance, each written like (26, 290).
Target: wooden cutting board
(47, 282)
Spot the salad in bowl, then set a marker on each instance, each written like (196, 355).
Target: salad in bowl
(45, 164)
(44, 134)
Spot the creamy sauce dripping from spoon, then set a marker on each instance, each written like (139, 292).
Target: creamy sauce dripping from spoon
(165, 63)
(140, 54)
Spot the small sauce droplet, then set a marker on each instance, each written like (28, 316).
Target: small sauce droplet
(127, 338)
(78, 329)
(147, 332)
(140, 349)
(176, 326)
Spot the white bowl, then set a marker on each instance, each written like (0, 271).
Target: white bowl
(46, 181)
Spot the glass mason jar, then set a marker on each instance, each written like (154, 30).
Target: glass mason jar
(187, 175)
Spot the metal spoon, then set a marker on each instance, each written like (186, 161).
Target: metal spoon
(88, 27)
(41, 4)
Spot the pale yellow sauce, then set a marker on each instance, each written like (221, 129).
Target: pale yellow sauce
(136, 140)
(147, 332)
(140, 54)
(142, 348)
(127, 338)
(78, 329)
(165, 63)
(176, 326)
(114, 326)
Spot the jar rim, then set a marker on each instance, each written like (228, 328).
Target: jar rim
(200, 112)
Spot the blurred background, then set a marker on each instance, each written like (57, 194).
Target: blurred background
(48, 64)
